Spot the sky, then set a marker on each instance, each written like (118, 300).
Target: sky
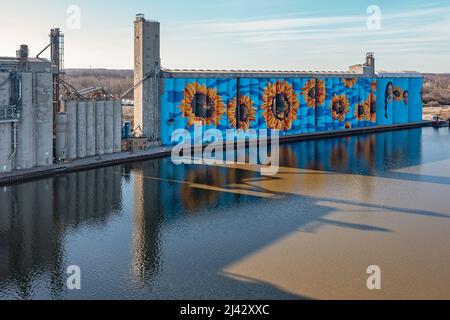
(230, 34)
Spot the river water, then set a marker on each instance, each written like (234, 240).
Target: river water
(154, 230)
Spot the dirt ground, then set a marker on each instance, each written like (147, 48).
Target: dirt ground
(443, 112)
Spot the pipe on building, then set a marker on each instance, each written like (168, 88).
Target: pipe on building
(14, 144)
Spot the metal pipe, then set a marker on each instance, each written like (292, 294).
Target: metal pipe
(43, 50)
(148, 75)
(14, 144)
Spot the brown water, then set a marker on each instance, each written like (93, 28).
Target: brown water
(153, 230)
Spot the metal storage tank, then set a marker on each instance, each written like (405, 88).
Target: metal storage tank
(100, 127)
(117, 139)
(25, 157)
(5, 127)
(90, 129)
(71, 109)
(81, 130)
(61, 136)
(43, 118)
(109, 126)
(5, 147)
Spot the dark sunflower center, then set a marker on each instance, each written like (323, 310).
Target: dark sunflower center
(373, 106)
(243, 112)
(312, 93)
(202, 106)
(281, 106)
(397, 93)
(360, 110)
(338, 107)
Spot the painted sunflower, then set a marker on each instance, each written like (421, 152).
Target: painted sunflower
(339, 107)
(246, 111)
(398, 93)
(362, 111)
(373, 86)
(309, 93)
(350, 82)
(371, 106)
(201, 105)
(280, 105)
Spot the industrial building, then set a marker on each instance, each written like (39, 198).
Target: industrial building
(41, 125)
(292, 102)
(26, 112)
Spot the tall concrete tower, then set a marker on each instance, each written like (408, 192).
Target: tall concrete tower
(147, 64)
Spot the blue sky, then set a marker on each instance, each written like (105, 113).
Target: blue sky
(250, 34)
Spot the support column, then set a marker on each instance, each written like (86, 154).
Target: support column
(147, 64)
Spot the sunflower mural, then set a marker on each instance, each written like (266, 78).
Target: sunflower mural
(350, 82)
(397, 94)
(373, 86)
(246, 111)
(371, 106)
(310, 94)
(280, 105)
(201, 105)
(361, 111)
(339, 107)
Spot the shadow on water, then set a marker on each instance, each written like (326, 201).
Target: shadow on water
(187, 223)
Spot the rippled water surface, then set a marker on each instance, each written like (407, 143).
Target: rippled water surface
(153, 230)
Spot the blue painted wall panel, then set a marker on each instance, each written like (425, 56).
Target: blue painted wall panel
(327, 106)
(320, 105)
(166, 113)
(294, 105)
(415, 104)
(385, 101)
(401, 85)
(297, 88)
(304, 107)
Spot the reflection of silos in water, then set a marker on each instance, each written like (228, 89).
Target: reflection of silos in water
(117, 188)
(6, 197)
(100, 192)
(61, 198)
(91, 193)
(72, 198)
(108, 188)
(147, 219)
(81, 193)
(46, 244)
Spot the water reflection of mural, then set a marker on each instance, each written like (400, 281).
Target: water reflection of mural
(292, 105)
(38, 220)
